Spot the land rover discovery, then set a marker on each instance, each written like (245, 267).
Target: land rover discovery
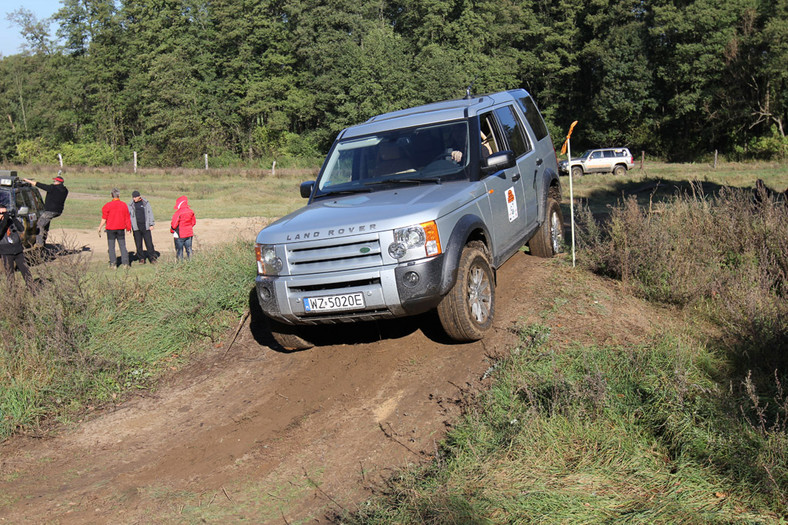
(414, 210)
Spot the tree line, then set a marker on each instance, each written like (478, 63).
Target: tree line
(247, 80)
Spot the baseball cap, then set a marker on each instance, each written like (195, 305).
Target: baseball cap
(58, 178)
(135, 193)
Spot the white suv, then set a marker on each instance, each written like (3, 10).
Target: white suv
(605, 160)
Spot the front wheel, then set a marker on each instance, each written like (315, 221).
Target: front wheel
(286, 336)
(549, 239)
(466, 312)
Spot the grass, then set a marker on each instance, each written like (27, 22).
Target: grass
(590, 434)
(89, 337)
(659, 181)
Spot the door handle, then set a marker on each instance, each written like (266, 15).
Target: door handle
(516, 177)
(538, 162)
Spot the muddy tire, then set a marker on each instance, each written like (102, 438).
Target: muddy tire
(577, 171)
(466, 312)
(286, 337)
(549, 240)
(619, 171)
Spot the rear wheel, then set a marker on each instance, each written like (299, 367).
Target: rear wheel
(619, 171)
(549, 240)
(577, 171)
(286, 337)
(466, 312)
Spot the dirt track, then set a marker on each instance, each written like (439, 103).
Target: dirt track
(251, 434)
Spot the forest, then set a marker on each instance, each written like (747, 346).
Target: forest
(248, 81)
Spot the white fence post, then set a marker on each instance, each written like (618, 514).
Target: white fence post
(135, 162)
(206, 161)
(273, 168)
(60, 159)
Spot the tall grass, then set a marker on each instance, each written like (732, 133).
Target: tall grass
(598, 435)
(87, 337)
(724, 254)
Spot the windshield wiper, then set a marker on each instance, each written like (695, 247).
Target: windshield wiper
(408, 180)
(344, 192)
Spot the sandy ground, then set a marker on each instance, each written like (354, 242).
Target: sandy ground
(208, 232)
(250, 434)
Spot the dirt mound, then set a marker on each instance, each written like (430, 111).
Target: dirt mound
(250, 433)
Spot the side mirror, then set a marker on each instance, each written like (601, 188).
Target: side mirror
(24, 210)
(306, 188)
(498, 161)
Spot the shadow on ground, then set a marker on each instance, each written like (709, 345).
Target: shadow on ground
(348, 333)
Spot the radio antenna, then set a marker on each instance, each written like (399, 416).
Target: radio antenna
(468, 89)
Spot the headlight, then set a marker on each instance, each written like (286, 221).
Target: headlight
(268, 263)
(421, 239)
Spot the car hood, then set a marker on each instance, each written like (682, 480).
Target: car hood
(370, 212)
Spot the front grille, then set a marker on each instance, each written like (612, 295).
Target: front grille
(348, 253)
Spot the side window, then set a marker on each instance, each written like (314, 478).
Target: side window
(490, 138)
(608, 154)
(596, 155)
(513, 129)
(533, 117)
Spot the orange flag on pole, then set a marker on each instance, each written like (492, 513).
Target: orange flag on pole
(572, 127)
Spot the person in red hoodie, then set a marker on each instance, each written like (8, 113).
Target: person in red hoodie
(181, 227)
(115, 216)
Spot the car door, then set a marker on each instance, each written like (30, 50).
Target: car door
(521, 144)
(505, 194)
(596, 162)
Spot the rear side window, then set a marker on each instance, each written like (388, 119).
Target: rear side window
(608, 154)
(513, 129)
(533, 117)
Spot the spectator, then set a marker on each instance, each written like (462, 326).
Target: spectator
(115, 216)
(11, 246)
(181, 227)
(142, 223)
(53, 205)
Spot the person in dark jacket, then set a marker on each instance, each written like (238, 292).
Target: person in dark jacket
(142, 223)
(181, 227)
(11, 246)
(115, 216)
(53, 205)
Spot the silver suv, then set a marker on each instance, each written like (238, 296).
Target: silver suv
(605, 160)
(414, 210)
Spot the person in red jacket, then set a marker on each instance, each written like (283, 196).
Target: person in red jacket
(115, 216)
(181, 227)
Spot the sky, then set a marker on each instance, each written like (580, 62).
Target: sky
(10, 39)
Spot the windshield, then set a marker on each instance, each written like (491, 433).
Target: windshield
(433, 153)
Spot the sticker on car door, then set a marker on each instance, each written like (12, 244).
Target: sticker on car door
(511, 204)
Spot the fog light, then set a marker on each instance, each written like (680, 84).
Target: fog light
(397, 250)
(265, 294)
(411, 279)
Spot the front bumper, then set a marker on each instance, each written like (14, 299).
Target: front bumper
(389, 292)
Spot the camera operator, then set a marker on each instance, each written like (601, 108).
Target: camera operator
(11, 246)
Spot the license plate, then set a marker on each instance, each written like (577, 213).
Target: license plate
(327, 303)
